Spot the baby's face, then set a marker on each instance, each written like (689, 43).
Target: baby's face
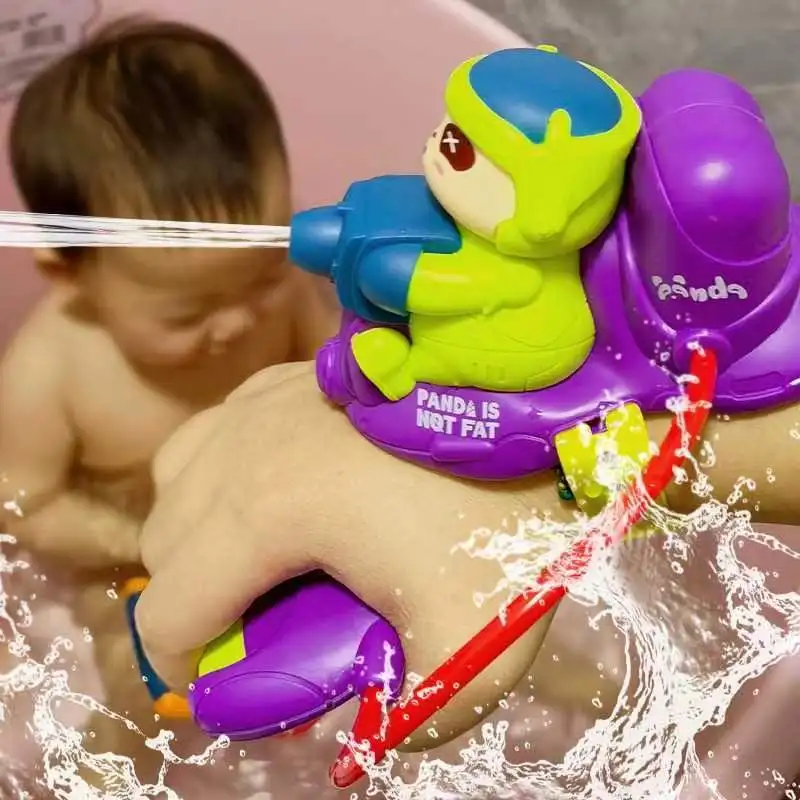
(177, 308)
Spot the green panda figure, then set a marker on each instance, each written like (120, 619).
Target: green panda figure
(529, 163)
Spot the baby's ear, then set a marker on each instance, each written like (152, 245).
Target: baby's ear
(54, 266)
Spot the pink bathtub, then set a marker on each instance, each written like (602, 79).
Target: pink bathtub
(358, 99)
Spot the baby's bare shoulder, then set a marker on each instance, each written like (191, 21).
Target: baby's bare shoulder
(51, 350)
(35, 432)
(36, 354)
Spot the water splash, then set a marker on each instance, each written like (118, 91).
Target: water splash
(26, 229)
(61, 746)
(687, 654)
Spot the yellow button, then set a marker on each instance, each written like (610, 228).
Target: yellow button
(579, 451)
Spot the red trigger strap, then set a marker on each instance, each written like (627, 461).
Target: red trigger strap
(528, 608)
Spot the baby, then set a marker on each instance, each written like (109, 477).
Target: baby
(146, 120)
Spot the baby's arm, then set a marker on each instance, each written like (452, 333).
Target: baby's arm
(37, 448)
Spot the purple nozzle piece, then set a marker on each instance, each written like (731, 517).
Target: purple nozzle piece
(315, 238)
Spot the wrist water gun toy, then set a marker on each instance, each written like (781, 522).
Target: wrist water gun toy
(301, 650)
(567, 255)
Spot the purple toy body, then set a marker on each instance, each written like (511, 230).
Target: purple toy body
(311, 646)
(702, 249)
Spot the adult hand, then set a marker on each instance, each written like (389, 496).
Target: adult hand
(276, 482)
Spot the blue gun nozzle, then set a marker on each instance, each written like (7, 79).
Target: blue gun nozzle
(314, 239)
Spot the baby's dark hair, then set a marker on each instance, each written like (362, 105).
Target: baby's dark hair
(147, 119)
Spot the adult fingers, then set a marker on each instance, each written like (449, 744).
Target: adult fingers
(271, 377)
(183, 446)
(181, 505)
(186, 442)
(205, 586)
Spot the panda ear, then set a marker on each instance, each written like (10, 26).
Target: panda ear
(559, 127)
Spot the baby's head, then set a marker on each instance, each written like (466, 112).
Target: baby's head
(157, 120)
